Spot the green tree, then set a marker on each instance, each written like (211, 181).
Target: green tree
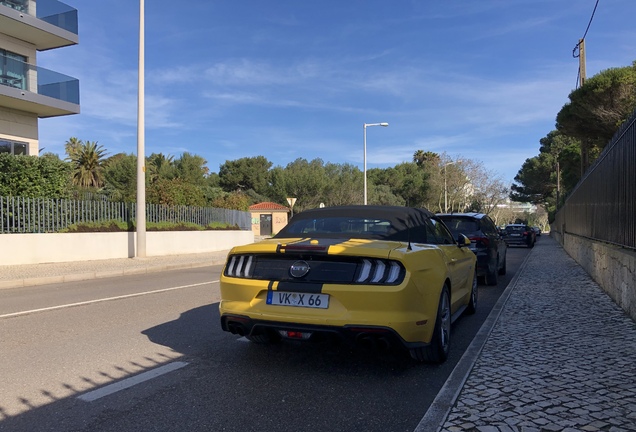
(548, 178)
(232, 201)
(34, 177)
(597, 109)
(413, 185)
(175, 192)
(245, 174)
(72, 146)
(160, 166)
(420, 157)
(276, 185)
(87, 159)
(191, 169)
(381, 194)
(344, 185)
(532, 183)
(120, 177)
(305, 181)
(566, 157)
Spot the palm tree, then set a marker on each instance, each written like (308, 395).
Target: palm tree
(421, 156)
(71, 147)
(87, 160)
(160, 167)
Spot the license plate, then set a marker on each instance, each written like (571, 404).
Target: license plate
(515, 235)
(281, 298)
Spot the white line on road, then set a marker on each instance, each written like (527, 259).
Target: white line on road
(104, 299)
(132, 381)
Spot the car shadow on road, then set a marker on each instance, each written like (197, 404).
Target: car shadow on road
(197, 333)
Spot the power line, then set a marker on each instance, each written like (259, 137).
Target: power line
(574, 53)
(579, 51)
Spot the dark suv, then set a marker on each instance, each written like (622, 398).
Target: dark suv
(520, 234)
(485, 241)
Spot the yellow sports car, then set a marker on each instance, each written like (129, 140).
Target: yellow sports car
(380, 276)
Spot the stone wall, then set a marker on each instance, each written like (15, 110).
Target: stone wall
(612, 267)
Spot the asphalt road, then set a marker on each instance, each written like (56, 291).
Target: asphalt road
(155, 342)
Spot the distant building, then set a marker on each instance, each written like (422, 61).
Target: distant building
(28, 92)
(519, 207)
(268, 218)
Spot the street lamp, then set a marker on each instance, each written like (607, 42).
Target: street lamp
(141, 138)
(364, 133)
(445, 187)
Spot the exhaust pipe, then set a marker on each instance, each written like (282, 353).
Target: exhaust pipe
(236, 328)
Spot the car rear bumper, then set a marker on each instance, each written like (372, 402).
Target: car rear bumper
(364, 336)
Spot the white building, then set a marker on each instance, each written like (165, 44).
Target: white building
(28, 92)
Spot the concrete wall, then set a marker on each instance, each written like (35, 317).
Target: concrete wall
(18, 249)
(612, 267)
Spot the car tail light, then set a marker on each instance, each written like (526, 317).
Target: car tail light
(240, 266)
(480, 241)
(376, 271)
(346, 270)
(293, 334)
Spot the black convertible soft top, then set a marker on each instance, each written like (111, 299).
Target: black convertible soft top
(360, 221)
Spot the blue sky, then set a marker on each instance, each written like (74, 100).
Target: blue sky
(226, 79)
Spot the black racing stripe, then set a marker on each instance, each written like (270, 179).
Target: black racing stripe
(310, 288)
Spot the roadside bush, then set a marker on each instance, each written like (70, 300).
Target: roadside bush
(118, 226)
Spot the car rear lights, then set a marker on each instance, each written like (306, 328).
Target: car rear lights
(240, 266)
(376, 271)
(480, 241)
(293, 334)
(318, 269)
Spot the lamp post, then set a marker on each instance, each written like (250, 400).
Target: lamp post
(141, 159)
(446, 187)
(364, 134)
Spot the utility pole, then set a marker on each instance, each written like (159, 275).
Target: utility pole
(582, 73)
(582, 76)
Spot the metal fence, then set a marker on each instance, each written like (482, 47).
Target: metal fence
(603, 204)
(42, 215)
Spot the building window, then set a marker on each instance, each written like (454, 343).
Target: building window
(19, 5)
(14, 147)
(13, 69)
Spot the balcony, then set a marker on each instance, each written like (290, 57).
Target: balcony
(51, 24)
(37, 90)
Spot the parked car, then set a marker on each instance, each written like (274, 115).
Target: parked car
(537, 231)
(520, 235)
(486, 242)
(377, 276)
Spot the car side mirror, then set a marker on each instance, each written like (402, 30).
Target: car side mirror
(463, 241)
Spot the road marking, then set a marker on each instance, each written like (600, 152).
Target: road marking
(132, 381)
(104, 299)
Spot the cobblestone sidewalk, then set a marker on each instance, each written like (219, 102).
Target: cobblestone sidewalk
(561, 357)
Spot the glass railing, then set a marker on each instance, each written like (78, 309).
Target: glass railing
(52, 11)
(23, 76)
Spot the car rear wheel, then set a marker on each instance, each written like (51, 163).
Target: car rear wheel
(502, 270)
(472, 304)
(437, 350)
(491, 276)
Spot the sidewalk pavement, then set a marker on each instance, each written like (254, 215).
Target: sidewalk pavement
(555, 354)
(15, 276)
